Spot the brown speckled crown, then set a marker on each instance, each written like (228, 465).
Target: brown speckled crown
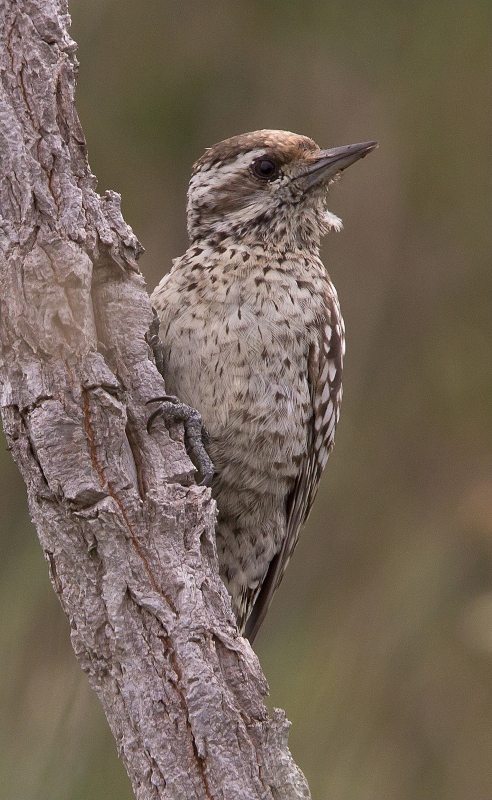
(283, 144)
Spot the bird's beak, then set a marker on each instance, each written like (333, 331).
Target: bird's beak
(329, 162)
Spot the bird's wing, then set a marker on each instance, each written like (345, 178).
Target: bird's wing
(325, 382)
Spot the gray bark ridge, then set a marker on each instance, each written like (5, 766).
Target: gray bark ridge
(128, 536)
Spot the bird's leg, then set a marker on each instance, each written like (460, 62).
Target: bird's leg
(172, 410)
(153, 340)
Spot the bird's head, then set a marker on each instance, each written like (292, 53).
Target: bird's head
(267, 186)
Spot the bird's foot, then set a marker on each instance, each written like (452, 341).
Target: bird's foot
(172, 410)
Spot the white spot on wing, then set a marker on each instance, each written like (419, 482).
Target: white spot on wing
(330, 427)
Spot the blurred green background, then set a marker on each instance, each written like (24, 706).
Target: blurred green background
(379, 641)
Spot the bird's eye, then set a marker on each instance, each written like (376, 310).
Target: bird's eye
(265, 168)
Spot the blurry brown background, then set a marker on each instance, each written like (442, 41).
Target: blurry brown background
(379, 641)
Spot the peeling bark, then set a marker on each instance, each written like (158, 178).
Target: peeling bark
(128, 536)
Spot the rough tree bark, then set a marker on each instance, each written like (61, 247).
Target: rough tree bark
(128, 536)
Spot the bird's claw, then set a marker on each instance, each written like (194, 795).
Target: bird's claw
(172, 410)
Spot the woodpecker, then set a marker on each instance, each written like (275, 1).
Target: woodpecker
(253, 338)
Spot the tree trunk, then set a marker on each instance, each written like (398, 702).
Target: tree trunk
(128, 536)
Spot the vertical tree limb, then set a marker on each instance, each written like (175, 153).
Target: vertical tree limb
(128, 536)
